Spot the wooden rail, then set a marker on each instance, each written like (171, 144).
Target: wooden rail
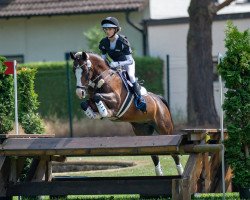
(101, 146)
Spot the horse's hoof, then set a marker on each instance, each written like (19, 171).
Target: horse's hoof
(97, 98)
(84, 105)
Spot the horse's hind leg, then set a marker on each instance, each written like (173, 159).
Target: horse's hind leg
(163, 128)
(158, 168)
(178, 164)
(148, 129)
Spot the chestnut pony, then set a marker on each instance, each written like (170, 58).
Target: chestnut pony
(108, 98)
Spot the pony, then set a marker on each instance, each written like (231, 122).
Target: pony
(108, 97)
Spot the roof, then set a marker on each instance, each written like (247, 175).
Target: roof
(29, 8)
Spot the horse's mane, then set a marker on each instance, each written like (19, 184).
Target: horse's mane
(88, 52)
(95, 56)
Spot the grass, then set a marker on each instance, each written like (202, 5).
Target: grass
(144, 166)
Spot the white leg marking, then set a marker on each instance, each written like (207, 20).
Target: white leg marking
(180, 169)
(102, 109)
(91, 114)
(158, 170)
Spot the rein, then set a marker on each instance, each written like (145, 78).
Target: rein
(92, 82)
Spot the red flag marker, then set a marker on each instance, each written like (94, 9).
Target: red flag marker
(10, 67)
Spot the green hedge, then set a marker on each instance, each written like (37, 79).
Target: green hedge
(51, 85)
(6, 99)
(235, 70)
(27, 101)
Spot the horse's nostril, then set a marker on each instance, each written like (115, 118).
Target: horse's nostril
(83, 94)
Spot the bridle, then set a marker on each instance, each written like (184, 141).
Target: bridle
(88, 66)
(87, 71)
(89, 82)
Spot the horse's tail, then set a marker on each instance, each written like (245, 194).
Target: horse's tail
(166, 104)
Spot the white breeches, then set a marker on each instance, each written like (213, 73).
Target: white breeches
(131, 71)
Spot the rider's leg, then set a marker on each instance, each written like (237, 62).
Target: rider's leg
(131, 72)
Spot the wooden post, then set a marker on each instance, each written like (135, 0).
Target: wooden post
(42, 169)
(206, 172)
(181, 189)
(4, 175)
(13, 170)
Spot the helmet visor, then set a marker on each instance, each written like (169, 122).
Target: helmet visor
(109, 26)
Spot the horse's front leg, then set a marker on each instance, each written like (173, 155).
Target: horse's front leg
(111, 101)
(89, 111)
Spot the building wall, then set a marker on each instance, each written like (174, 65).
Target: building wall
(171, 40)
(48, 38)
(165, 9)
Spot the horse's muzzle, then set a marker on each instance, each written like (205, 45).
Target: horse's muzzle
(81, 93)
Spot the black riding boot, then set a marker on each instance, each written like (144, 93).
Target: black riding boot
(137, 90)
(140, 102)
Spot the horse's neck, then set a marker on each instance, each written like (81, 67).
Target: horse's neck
(100, 68)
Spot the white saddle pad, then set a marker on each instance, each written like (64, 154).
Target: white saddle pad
(144, 92)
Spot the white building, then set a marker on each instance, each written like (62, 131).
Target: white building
(167, 35)
(45, 30)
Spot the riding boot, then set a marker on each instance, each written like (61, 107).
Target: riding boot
(136, 90)
(139, 100)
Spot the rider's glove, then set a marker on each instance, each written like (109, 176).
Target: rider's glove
(114, 64)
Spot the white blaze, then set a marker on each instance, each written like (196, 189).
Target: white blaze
(79, 91)
(78, 73)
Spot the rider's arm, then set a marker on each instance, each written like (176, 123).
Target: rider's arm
(129, 61)
(104, 56)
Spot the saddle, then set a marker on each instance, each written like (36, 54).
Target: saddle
(139, 102)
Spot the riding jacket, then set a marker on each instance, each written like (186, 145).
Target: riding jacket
(119, 51)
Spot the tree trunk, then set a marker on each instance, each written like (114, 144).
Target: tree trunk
(201, 105)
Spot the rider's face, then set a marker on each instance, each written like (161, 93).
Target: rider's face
(109, 31)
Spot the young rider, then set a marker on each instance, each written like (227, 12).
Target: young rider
(118, 48)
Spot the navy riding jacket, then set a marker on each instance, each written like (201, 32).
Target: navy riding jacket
(122, 48)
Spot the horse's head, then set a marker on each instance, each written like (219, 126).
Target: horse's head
(82, 68)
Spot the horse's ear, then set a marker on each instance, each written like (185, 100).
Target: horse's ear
(72, 56)
(84, 55)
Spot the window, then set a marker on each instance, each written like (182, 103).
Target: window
(242, 1)
(18, 58)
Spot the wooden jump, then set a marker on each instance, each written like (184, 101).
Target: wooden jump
(101, 146)
(44, 149)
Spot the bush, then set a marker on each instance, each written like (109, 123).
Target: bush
(6, 99)
(27, 101)
(94, 36)
(28, 104)
(235, 70)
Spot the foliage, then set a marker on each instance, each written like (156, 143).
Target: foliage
(235, 70)
(27, 101)
(94, 36)
(28, 104)
(51, 85)
(6, 99)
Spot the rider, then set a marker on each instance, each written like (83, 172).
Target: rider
(118, 48)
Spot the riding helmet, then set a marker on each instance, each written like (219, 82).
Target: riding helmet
(110, 22)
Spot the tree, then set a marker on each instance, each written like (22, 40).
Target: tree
(201, 106)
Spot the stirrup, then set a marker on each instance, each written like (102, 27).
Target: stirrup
(140, 103)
